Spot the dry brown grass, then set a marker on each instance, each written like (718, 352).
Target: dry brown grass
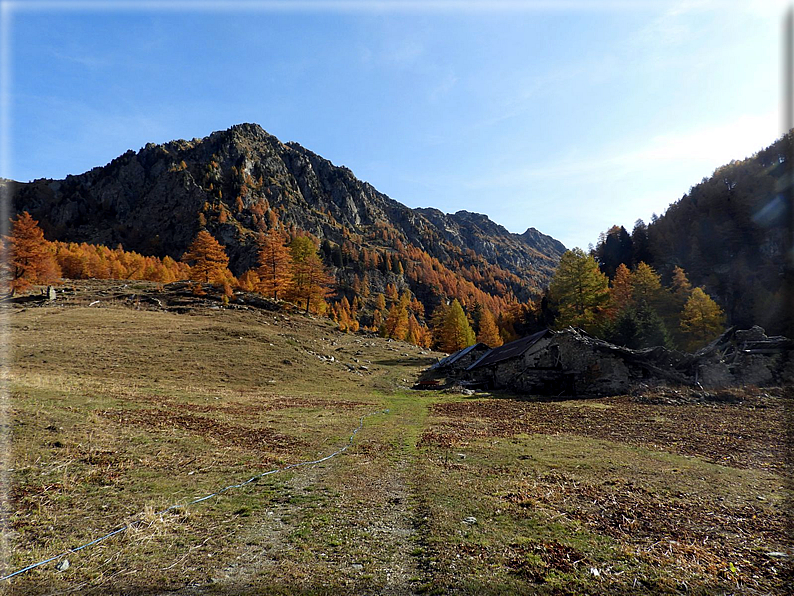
(122, 409)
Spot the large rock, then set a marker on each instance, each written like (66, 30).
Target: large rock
(715, 375)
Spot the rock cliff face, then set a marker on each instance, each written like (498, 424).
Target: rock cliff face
(236, 183)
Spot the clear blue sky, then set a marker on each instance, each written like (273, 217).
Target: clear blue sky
(568, 117)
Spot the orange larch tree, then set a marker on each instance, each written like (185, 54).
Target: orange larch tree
(396, 324)
(620, 291)
(310, 282)
(208, 259)
(275, 263)
(31, 261)
(249, 281)
(489, 332)
(418, 334)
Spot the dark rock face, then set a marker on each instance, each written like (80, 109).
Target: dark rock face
(156, 200)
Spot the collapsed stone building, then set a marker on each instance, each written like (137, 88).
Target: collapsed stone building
(571, 362)
(459, 361)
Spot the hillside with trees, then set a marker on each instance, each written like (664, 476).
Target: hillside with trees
(241, 182)
(728, 236)
(241, 211)
(633, 309)
(291, 266)
(265, 202)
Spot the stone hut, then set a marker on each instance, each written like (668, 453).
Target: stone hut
(571, 362)
(568, 362)
(744, 357)
(505, 366)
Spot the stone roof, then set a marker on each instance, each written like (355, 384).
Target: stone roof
(454, 357)
(512, 350)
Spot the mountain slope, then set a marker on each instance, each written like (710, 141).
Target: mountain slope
(731, 234)
(243, 181)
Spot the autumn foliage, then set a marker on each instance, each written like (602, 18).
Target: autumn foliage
(208, 260)
(701, 319)
(275, 264)
(31, 260)
(580, 290)
(453, 329)
(363, 285)
(489, 332)
(310, 281)
(91, 261)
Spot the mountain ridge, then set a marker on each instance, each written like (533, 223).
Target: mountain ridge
(242, 181)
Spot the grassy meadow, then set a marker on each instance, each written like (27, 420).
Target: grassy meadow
(118, 409)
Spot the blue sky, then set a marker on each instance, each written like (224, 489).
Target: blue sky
(567, 117)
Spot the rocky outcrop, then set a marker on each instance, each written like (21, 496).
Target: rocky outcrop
(542, 243)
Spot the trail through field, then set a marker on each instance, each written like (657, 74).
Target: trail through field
(116, 411)
(350, 518)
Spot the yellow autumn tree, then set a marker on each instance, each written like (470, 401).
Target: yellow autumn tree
(418, 334)
(579, 290)
(701, 319)
(437, 323)
(645, 283)
(680, 287)
(396, 323)
(345, 315)
(377, 320)
(380, 302)
(456, 333)
(249, 281)
(310, 282)
(489, 332)
(620, 294)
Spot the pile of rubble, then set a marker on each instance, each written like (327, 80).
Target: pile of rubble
(571, 362)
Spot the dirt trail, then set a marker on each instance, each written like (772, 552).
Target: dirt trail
(347, 522)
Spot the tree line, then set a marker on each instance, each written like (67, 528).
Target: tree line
(730, 233)
(633, 308)
(290, 267)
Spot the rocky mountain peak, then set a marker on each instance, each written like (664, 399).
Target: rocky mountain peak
(238, 182)
(542, 242)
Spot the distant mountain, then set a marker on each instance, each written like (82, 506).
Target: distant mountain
(542, 242)
(242, 181)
